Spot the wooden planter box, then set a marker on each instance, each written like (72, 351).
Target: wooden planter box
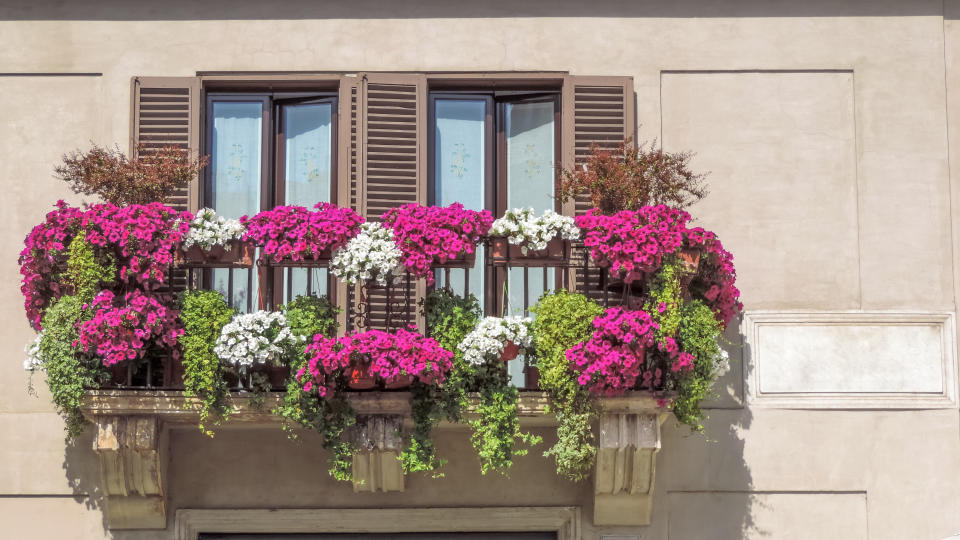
(463, 260)
(322, 261)
(503, 253)
(240, 254)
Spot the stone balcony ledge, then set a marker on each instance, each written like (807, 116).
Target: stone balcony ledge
(131, 427)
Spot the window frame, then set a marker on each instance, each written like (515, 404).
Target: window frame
(495, 162)
(272, 166)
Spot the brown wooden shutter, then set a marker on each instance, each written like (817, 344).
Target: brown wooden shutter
(596, 111)
(166, 111)
(392, 153)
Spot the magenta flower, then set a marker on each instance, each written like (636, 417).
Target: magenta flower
(299, 234)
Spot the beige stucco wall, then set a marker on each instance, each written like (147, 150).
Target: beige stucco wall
(827, 127)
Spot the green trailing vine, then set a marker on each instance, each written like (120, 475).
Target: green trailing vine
(564, 319)
(449, 319)
(330, 416)
(204, 314)
(69, 372)
(696, 330)
(496, 428)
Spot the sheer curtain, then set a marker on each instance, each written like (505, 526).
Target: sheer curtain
(307, 162)
(235, 169)
(530, 183)
(459, 173)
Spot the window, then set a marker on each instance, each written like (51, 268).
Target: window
(495, 151)
(268, 150)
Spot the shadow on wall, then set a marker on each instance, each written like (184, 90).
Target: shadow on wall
(123, 10)
(83, 473)
(704, 486)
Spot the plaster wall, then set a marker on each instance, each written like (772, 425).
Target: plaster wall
(831, 133)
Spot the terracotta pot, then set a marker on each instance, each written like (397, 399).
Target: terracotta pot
(690, 258)
(398, 382)
(510, 351)
(361, 379)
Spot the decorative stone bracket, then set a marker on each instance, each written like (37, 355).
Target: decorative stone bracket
(376, 465)
(625, 468)
(132, 470)
(131, 445)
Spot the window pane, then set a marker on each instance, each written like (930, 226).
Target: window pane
(307, 165)
(235, 170)
(459, 175)
(530, 183)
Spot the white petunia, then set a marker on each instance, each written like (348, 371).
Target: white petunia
(522, 227)
(254, 338)
(487, 341)
(34, 360)
(372, 254)
(208, 230)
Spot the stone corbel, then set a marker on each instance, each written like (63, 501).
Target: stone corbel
(132, 469)
(376, 465)
(625, 467)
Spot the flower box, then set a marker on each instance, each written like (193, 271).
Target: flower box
(463, 260)
(503, 253)
(322, 260)
(239, 254)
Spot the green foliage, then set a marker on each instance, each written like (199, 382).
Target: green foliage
(449, 319)
(696, 330)
(204, 314)
(330, 416)
(699, 335)
(88, 270)
(69, 372)
(496, 428)
(308, 316)
(564, 319)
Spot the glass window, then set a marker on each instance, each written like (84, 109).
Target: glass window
(267, 150)
(235, 169)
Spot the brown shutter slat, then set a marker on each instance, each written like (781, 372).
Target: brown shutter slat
(596, 111)
(166, 112)
(392, 143)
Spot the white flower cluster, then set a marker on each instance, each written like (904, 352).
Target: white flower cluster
(254, 338)
(208, 229)
(373, 253)
(524, 228)
(486, 341)
(34, 361)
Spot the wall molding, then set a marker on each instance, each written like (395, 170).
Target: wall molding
(755, 355)
(564, 520)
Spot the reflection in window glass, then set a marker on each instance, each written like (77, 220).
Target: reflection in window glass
(307, 164)
(235, 170)
(530, 183)
(459, 160)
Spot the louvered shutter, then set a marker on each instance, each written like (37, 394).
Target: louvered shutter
(596, 111)
(166, 112)
(392, 153)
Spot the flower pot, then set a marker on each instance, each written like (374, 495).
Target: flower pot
(239, 254)
(321, 260)
(361, 379)
(690, 257)
(510, 351)
(504, 253)
(398, 382)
